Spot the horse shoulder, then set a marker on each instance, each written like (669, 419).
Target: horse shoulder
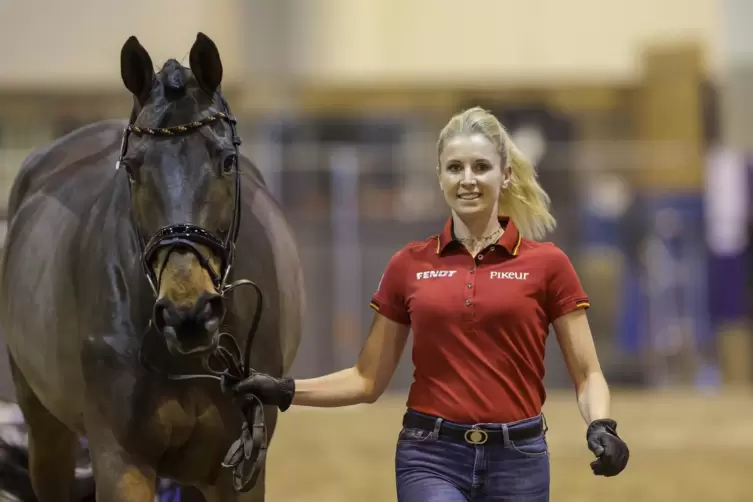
(282, 273)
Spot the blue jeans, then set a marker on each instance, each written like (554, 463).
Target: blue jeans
(433, 469)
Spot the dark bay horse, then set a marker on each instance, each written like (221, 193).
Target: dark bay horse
(123, 242)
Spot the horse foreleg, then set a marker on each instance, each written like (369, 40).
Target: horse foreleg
(52, 446)
(119, 480)
(118, 475)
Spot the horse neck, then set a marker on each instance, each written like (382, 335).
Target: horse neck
(110, 230)
(115, 210)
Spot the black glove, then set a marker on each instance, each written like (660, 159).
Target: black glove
(270, 390)
(612, 453)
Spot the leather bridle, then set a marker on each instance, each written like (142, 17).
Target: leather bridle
(246, 455)
(182, 235)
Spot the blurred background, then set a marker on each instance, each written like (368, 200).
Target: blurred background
(637, 114)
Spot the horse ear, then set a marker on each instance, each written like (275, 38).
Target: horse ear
(136, 69)
(205, 63)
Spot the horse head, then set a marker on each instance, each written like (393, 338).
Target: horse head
(180, 152)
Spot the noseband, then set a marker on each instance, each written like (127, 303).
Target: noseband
(246, 455)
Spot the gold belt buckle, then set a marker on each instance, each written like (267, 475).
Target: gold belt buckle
(476, 436)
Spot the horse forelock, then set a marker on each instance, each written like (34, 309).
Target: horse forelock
(174, 76)
(176, 99)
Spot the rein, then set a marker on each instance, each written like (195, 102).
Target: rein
(247, 454)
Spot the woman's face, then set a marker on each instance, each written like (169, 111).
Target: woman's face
(471, 174)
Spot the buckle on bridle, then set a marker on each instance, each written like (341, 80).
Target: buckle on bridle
(476, 436)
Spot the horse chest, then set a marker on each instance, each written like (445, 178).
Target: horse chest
(176, 422)
(182, 421)
(196, 436)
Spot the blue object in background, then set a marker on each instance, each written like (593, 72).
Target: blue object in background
(167, 491)
(677, 290)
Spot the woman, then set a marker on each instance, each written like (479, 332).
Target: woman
(479, 297)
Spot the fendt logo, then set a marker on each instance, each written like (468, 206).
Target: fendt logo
(430, 274)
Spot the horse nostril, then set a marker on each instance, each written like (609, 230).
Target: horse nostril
(165, 314)
(159, 314)
(213, 312)
(206, 314)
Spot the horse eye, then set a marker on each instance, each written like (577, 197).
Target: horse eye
(228, 164)
(130, 171)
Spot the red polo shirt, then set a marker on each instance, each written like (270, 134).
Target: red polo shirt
(479, 325)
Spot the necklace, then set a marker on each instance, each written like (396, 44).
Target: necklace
(482, 241)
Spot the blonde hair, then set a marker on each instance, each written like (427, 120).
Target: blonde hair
(524, 200)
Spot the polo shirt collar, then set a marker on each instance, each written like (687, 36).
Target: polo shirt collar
(510, 238)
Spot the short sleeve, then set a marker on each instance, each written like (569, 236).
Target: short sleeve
(390, 297)
(564, 290)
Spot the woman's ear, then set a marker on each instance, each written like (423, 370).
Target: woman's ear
(506, 176)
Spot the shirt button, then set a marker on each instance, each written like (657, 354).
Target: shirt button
(491, 248)
(470, 285)
(471, 270)
(480, 257)
(467, 302)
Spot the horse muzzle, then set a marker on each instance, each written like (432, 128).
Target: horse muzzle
(190, 330)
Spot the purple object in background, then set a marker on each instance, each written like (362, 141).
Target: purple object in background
(727, 197)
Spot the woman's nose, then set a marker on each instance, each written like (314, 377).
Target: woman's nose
(468, 176)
